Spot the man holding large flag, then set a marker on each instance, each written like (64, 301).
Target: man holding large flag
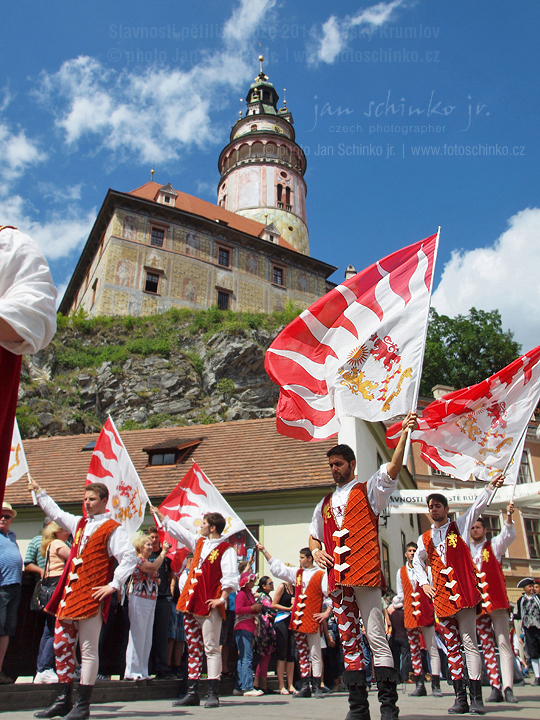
(27, 322)
(81, 599)
(213, 575)
(347, 523)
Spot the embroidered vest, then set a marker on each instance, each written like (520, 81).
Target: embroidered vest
(417, 606)
(491, 582)
(87, 569)
(203, 583)
(307, 603)
(455, 582)
(355, 547)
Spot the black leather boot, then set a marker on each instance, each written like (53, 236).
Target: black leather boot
(213, 694)
(436, 686)
(509, 695)
(358, 695)
(387, 679)
(192, 698)
(475, 691)
(420, 690)
(460, 706)
(496, 695)
(61, 706)
(317, 692)
(81, 709)
(305, 690)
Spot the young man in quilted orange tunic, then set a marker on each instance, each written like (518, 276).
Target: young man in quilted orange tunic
(212, 578)
(347, 522)
(454, 590)
(310, 589)
(494, 617)
(81, 600)
(419, 620)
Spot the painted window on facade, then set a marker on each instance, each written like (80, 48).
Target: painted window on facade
(152, 282)
(157, 236)
(223, 300)
(277, 275)
(224, 257)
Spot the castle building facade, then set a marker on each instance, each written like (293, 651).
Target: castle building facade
(156, 247)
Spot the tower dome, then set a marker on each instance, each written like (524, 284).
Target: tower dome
(262, 168)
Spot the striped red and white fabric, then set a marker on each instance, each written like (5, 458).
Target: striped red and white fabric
(358, 350)
(478, 430)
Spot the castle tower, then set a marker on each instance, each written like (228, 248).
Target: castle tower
(262, 168)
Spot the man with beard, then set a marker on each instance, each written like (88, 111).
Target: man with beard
(347, 523)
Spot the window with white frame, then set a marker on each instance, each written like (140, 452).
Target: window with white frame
(532, 532)
(525, 475)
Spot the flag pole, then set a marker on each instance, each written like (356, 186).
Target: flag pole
(514, 484)
(421, 363)
(34, 498)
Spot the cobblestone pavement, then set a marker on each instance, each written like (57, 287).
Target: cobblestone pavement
(331, 707)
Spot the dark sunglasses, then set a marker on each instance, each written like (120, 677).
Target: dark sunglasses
(7, 517)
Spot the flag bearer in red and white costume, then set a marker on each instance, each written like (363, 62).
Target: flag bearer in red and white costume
(495, 608)
(454, 590)
(81, 599)
(27, 322)
(212, 578)
(419, 619)
(310, 588)
(347, 522)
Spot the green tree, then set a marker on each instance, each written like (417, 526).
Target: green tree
(465, 350)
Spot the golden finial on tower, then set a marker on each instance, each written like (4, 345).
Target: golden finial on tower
(284, 98)
(152, 175)
(266, 218)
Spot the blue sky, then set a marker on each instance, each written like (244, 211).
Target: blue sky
(396, 105)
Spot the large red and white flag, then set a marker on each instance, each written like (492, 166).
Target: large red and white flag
(111, 465)
(358, 350)
(193, 497)
(480, 429)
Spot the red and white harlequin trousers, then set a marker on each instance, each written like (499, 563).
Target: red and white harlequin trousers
(457, 630)
(496, 624)
(351, 603)
(309, 643)
(202, 633)
(431, 644)
(65, 643)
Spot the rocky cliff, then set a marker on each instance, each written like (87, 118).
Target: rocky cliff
(174, 369)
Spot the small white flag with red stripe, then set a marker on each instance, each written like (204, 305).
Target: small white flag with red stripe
(17, 459)
(358, 350)
(111, 465)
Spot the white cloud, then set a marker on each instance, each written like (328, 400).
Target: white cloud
(157, 113)
(59, 235)
(335, 33)
(18, 153)
(503, 277)
(59, 194)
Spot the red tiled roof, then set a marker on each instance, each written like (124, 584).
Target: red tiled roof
(247, 456)
(196, 206)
